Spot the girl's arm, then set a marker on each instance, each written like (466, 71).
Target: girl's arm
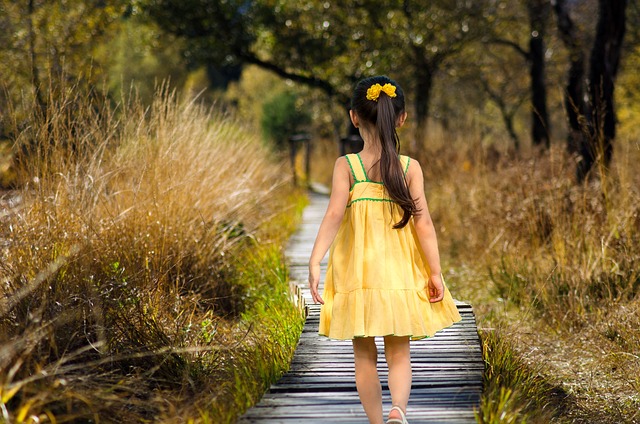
(426, 231)
(330, 223)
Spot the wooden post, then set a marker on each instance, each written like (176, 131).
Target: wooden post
(307, 162)
(294, 140)
(293, 150)
(351, 144)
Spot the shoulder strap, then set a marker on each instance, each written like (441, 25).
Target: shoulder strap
(357, 169)
(404, 161)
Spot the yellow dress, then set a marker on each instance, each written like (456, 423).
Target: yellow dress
(376, 283)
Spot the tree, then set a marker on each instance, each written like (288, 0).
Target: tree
(506, 100)
(283, 116)
(329, 46)
(434, 34)
(538, 12)
(236, 31)
(43, 41)
(575, 107)
(603, 69)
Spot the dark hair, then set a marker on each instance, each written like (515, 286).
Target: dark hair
(383, 114)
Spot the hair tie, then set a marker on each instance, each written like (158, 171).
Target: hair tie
(373, 93)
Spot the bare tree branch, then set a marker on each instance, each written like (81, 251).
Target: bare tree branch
(503, 42)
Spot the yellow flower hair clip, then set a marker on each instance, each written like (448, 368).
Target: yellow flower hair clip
(374, 91)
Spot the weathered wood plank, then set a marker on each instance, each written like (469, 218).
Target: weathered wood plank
(320, 385)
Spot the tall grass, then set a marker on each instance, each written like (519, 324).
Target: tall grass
(142, 265)
(514, 391)
(553, 266)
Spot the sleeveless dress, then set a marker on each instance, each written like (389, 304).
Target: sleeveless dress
(376, 283)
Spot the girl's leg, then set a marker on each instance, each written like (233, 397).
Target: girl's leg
(396, 351)
(365, 356)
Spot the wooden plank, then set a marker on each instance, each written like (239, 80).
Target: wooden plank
(320, 385)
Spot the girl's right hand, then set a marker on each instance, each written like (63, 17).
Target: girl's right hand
(436, 288)
(314, 281)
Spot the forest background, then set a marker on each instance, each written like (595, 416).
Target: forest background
(524, 114)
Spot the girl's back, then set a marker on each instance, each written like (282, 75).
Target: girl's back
(377, 276)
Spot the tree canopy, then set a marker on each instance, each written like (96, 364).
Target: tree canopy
(467, 56)
(330, 45)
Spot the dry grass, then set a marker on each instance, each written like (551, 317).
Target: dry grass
(553, 267)
(141, 275)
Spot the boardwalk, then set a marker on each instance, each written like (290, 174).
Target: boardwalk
(320, 386)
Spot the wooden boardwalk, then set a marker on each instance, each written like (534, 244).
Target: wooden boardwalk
(320, 385)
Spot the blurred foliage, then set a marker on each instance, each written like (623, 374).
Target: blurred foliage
(461, 63)
(139, 56)
(440, 52)
(44, 40)
(283, 115)
(629, 98)
(326, 45)
(253, 88)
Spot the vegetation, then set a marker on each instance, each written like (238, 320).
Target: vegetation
(142, 275)
(551, 268)
(282, 117)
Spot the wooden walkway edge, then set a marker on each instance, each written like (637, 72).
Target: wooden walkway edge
(320, 385)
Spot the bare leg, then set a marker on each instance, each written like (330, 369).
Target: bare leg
(396, 351)
(365, 356)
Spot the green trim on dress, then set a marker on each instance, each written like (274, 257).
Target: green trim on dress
(351, 167)
(364, 171)
(369, 182)
(411, 337)
(369, 198)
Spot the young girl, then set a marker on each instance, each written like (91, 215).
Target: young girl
(383, 277)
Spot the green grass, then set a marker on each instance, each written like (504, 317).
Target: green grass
(515, 391)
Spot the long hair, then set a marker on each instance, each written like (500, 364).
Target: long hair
(383, 114)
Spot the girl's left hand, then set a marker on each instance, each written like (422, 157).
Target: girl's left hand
(314, 281)
(436, 288)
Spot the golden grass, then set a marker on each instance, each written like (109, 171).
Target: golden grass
(142, 269)
(553, 271)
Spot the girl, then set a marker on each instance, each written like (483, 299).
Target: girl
(383, 277)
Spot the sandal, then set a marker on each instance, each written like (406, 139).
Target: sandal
(401, 420)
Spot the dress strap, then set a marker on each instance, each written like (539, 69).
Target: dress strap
(404, 161)
(357, 168)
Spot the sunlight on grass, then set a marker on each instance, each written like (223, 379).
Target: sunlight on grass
(552, 267)
(143, 268)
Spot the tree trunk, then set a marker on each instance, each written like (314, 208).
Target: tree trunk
(604, 63)
(508, 123)
(35, 75)
(538, 15)
(574, 93)
(422, 96)
(505, 112)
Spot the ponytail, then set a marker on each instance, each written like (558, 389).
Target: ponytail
(379, 101)
(392, 174)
